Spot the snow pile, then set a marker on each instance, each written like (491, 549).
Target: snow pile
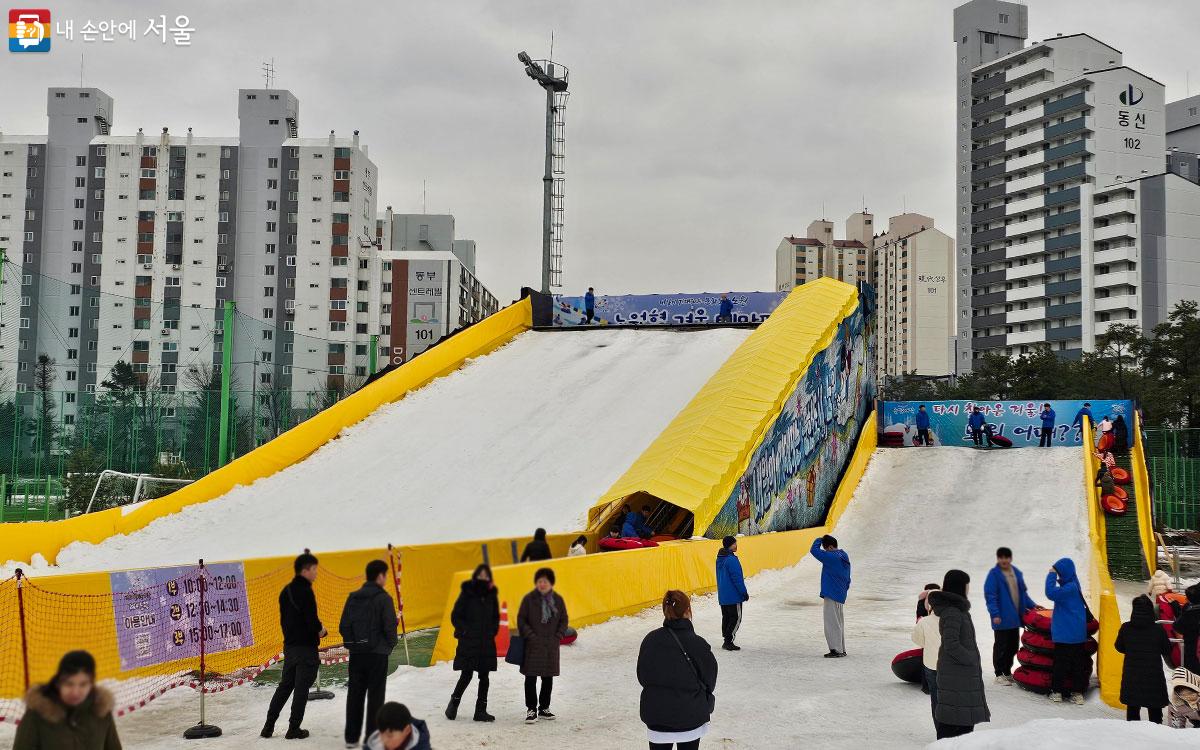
(917, 513)
(527, 436)
(1061, 734)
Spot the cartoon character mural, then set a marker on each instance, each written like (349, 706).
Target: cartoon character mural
(793, 473)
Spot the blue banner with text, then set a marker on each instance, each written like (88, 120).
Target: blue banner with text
(1021, 422)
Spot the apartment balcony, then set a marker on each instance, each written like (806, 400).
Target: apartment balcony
(1022, 228)
(1035, 66)
(1113, 208)
(1113, 231)
(1064, 333)
(1018, 118)
(1033, 291)
(1115, 279)
(1032, 336)
(1022, 141)
(1020, 207)
(1026, 272)
(1115, 302)
(1026, 249)
(1102, 326)
(1029, 182)
(1127, 254)
(1027, 161)
(1026, 316)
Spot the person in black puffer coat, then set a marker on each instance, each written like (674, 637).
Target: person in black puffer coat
(961, 702)
(1146, 646)
(1187, 625)
(476, 619)
(538, 549)
(678, 674)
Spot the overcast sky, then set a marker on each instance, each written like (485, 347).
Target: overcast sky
(698, 132)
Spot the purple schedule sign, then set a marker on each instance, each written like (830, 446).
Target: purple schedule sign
(158, 614)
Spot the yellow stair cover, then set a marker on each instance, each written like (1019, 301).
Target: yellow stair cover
(708, 445)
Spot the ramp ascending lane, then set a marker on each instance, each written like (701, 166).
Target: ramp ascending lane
(527, 436)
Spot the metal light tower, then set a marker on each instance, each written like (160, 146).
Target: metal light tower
(553, 78)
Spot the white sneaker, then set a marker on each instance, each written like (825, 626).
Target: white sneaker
(1056, 697)
(1077, 698)
(999, 679)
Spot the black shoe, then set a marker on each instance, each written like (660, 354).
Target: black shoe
(267, 730)
(546, 715)
(296, 733)
(481, 713)
(531, 716)
(452, 708)
(731, 646)
(835, 654)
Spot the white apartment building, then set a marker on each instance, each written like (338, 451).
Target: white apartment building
(913, 271)
(1055, 130)
(800, 259)
(1183, 138)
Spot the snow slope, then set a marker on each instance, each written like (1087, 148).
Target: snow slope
(917, 513)
(527, 436)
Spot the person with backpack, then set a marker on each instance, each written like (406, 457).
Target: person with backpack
(1187, 625)
(1047, 433)
(1007, 600)
(835, 587)
(476, 620)
(538, 549)
(961, 703)
(368, 629)
(302, 634)
(542, 621)
(1146, 647)
(398, 730)
(678, 674)
(731, 591)
(1068, 629)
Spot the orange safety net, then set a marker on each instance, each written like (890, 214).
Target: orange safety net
(210, 627)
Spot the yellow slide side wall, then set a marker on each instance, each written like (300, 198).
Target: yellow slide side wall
(602, 586)
(1145, 505)
(1101, 597)
(23, 541)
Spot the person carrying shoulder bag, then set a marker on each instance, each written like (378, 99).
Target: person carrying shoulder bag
(678, 674)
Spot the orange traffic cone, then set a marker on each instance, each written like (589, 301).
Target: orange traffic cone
(503, 637)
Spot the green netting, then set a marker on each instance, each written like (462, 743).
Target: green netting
(1173, 460)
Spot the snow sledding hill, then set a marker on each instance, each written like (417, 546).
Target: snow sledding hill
(527, 436)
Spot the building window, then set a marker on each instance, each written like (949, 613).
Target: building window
(1003, 18)
(989, 37)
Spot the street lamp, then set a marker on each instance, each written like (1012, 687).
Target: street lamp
(553, 78)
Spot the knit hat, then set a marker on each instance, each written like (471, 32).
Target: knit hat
(1160, 583)
(728, 541)
(1143, 611)
(956, 582)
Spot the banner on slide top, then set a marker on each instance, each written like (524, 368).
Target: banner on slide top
(793, 473)
(1019, 421)
(159, 615)
(665, 309)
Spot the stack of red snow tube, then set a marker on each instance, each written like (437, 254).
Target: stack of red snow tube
(1037, 652)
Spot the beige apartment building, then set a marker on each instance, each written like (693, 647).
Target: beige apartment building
(818, 254)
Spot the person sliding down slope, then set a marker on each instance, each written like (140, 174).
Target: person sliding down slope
(835, 585)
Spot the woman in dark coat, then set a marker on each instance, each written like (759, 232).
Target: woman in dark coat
(476, 620)
(70, 711)
(961, 702)
(678, 674)
(538, 549)
(1120, 436)
(1146, 646)
(542, 622)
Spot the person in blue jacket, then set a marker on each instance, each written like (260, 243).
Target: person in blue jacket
(1007, 600)
(731, 591)
(1047, 435)
(1068, 629)
(835, 585)
(976, 422)
(1086, 411)
(923, 425)
(589, 305)
(725, 313)
(636, 526)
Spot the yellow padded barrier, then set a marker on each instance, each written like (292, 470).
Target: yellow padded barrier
(1101, 597)
(602, 586)
(696, 459)
(1145, 508)
(23, 541)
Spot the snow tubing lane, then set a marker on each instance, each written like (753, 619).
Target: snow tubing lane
(1119, 475)
(1038, 681)
(1034, 660)
(1113, 505)
(1038, 619)
(908, 665)
(614, 545)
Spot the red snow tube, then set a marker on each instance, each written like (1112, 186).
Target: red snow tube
(1040, 643)
(1038, 619)
(892, 438)
(569, 637)
(1000, 441)
(1038, 680)
(610, 544)
(1119, 475)
(1120, 493)
(1106, 442)
(659, 538)
(908, 665)
(1113, 505)
(1034, 660)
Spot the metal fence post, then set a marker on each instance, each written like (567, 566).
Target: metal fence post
(203, 730)
(21, 616)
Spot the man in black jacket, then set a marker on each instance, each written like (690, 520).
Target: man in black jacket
(368, 629)
(302, 634)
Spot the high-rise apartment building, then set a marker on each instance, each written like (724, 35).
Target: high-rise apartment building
(1183, 138)
(1073, 225)
(800, 259)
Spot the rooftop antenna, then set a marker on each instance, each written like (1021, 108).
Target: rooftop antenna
(423, 209)
(551, 44)
(268, 68)
(80, 70)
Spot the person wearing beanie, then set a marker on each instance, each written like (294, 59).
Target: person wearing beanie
(961, 703)
(1187, 625)
(1166, 608)
(835, 586)
(731, 591)
(1146, 647)
(1068, 629)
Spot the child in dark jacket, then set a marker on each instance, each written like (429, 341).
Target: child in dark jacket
(1145, 646)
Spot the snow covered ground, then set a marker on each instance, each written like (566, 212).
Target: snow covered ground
(1089, 734)
(527, 436)
(917, 513)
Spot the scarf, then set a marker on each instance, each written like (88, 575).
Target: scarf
(548, 608)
